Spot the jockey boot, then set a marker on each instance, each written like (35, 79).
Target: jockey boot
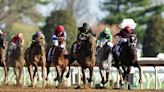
(51, 51)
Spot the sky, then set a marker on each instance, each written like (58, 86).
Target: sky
(93, 5)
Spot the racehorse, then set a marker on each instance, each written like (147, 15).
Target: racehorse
(127, 58)
(36, 56)
(15, 59)
(85, 56)
(59, 60)
(2, 55)
(104, 62)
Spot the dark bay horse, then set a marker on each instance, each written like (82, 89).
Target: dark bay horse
(15, 59)
(104, 62)
(128, 58)
(59, 61)
(36, 56)
(3, 47)
(85, 56)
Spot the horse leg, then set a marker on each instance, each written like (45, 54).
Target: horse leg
(121, 75)
(15, 72)
(71, 60)
(67, 75)
(140, 73)
(127, 77)
(102, 81)
(5, 71)
(35, 73)
(58, 73)
(43, 75)
(107, 76)
(48, 70)
(20, 74)
(83, 72)
(91, 74)
(30, 73)
(63, 70)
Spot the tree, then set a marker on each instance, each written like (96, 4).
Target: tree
(153, 40)
(140, 10)
(60, 17)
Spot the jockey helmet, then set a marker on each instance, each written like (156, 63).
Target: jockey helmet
(59, 28)
(39, 33)
(107, 30)
(20, 35)
(85, 26)
(127, 30)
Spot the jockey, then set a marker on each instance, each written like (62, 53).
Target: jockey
(14, 40)
(38, 37)
(105, 37)
(57, 35)
(123, 35)
(83, 33)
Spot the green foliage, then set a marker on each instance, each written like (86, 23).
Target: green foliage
(27, 31)
(61, 17)
(153, 41)
(139, 10)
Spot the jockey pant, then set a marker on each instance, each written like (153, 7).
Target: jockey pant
(11, 48)
(117, 49)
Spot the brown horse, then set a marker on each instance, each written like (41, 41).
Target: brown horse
(15, 59)
(3, 44)
(36, 56)
(59, 60)
(85, 56)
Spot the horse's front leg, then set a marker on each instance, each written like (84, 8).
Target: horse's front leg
(58, 73)
(20, 74)
(102, 80)
(127, 76)
(35, 73)
(48, 69)
(43, 75)
(83, 78)
(140, 73)
(71, 60)
(91, 74)
(30, 73)
(16, 75)
(6, 72)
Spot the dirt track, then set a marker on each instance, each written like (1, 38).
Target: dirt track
(19, 89)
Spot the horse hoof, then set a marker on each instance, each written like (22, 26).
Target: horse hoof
(67, 75)
(55, 79)
(77, 87)
(129, 87)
